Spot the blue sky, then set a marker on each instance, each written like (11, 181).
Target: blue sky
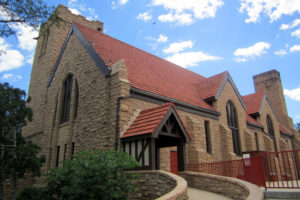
(244, 37)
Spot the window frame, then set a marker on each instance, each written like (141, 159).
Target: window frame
(207, 137)
(66, 101)
(271, 132)
(232, 121)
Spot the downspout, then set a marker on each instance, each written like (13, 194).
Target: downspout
(118, 119)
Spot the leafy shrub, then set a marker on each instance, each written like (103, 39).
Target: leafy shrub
(33, 194)
(93, 175)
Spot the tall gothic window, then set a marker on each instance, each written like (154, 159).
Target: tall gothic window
(271, 130)
(233, 126)
(67, 92)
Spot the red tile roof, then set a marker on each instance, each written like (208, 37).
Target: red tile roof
(283, 129)
(253, 102)
(146, 71)
(253, 121)
(209, 87)
(149, 119)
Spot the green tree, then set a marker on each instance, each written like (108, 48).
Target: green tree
(30, 12)
(17, 155)
(93, 175)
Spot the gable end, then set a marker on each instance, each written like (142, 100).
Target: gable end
(91, 51)
(229, 79)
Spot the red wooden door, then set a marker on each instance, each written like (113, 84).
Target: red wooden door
(173, 162)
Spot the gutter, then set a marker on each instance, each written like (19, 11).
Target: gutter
(117, 136)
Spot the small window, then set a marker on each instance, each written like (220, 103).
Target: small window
(76, 101)
(207, 136)
(65, 151)
(50, 158)
(67, 92)
(57, 156)
(256, 142)
(233, 126)
(271, 131)
(73, 150)
(44, 42)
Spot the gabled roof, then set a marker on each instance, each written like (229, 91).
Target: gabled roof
(253, 122)
(146, 71)
(254, 102)
(284, 130)
(208, 88)
(150, 120)
(212, 87)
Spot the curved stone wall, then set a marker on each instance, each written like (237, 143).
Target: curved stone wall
(159, 185)
(230, 187)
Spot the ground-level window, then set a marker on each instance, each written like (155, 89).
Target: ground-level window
(57, 156)
(73, 150)
(233, 126)
(207, 136)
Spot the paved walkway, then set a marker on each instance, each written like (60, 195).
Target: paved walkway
(195, 194)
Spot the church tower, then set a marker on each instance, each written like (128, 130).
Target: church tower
(51, 38)
(270, 83)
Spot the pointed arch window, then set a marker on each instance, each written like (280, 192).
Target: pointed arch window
(67, 93)
(271, 131)
(233, 126)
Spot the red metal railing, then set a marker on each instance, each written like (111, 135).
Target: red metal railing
(282, 169)
(266, 169)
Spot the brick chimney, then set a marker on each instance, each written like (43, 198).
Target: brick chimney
(270, 83)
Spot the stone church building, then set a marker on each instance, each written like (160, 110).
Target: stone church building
(92, 91)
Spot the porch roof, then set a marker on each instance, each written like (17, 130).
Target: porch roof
(148, 122)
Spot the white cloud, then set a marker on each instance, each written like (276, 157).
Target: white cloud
(293, 24)
(11, 77)
(295, 48)
(30, 59)
(296, 33)
(240, 59)
(162, 38)
(284, 26)
(280, 52)
(71, 2)
(274, 9)
(123, 2)
(181, 19)
(118, 3)
(144, 16)
(184, 12)
(25, 35)
(74, 11)
(178, 46)
(293, 94)
(9, 58)
(251, 52)
(191, 59)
